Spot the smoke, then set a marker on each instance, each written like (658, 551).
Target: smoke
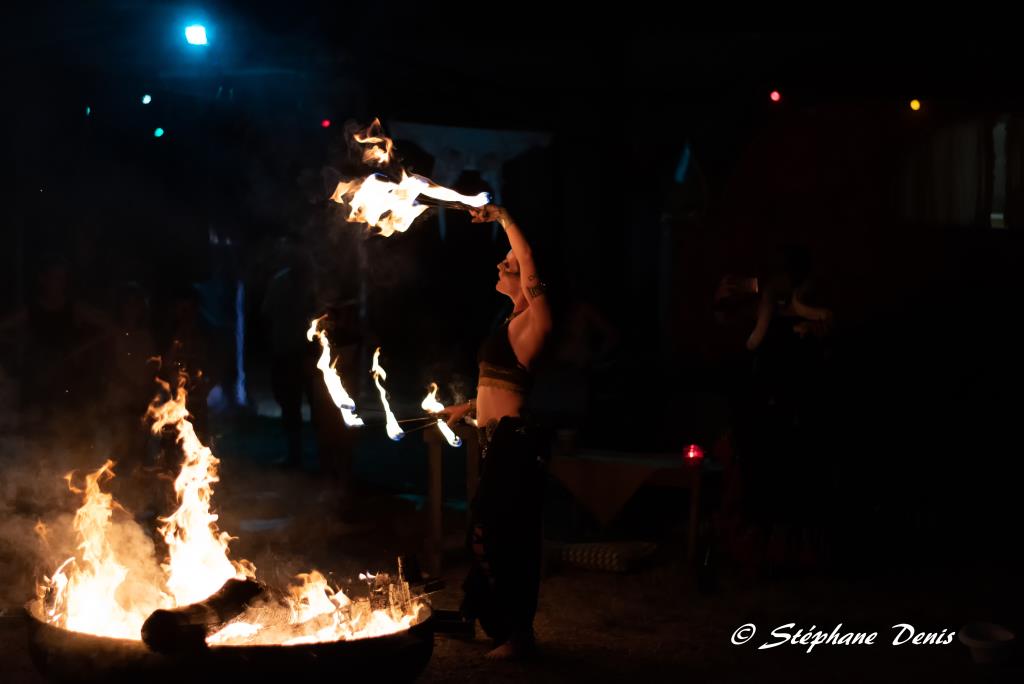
(29, 492)
(33, 491)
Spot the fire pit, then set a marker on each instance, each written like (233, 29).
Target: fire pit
(111, 612)
(66, 656)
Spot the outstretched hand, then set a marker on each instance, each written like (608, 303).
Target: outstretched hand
(489, 213)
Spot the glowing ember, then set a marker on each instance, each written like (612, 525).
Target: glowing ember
(381, 203)
(432, 405)
(394, 431)
(338, 394)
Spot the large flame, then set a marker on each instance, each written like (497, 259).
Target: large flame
(432, 405)
(93, 591)
(199, 563)
(381, 203)
(86, 591)
(332, 380)
(394, 431)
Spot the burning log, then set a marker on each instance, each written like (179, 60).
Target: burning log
(186, 627)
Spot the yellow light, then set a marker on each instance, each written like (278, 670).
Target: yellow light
(915, 105)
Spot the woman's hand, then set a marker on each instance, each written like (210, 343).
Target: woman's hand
(489, 213)
(453, 414)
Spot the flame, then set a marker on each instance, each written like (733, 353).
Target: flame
(84, 594)
(381, 203)
(439, 192)
(372, 136)
(97, 591)
(314, 612)
(235, 631)
(394, 431)
(432, 405)
(392, 207)
(199, 563)
(338, 394)
(313, 599)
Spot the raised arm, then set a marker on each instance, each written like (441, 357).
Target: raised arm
(539, 313)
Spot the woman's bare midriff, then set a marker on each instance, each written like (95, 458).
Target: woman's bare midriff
(494, 404)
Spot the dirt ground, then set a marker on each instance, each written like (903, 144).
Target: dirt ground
(653, 624)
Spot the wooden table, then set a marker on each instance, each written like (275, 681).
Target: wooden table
(604, 481)
(601, 481)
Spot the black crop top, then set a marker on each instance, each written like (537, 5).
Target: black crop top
(499, 366)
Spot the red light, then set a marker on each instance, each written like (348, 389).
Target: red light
(776, 96)
(326, 123)
(693, 453)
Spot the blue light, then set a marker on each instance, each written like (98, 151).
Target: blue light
(195, 34)
(146, 99)
(158, 133)
(240, 395)
(88, 110)
(684, 165)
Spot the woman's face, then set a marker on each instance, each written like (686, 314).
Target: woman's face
(508, 276)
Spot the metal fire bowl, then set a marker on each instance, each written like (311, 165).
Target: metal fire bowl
(65, 656)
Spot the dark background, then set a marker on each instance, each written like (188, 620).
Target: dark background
(895, 206)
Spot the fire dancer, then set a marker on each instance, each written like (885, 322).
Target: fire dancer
(505, 531)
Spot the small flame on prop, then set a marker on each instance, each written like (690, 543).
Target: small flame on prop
(380, 202)
(394, 431)
(432, 405)
(332, 380)
(372, 137)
